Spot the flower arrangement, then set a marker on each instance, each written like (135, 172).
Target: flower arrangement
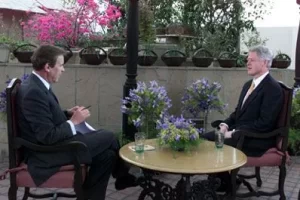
(145, 105)
(3, 96)
(202, 96)
(71, 25)
(179, 133)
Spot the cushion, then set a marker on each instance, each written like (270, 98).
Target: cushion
(64, 178)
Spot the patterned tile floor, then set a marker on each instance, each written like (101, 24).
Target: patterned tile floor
(269, 177)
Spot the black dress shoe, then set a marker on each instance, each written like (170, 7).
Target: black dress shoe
(125, 182)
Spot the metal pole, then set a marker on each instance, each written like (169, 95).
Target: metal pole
(132, 56)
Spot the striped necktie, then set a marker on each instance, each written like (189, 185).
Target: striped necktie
(250, 90)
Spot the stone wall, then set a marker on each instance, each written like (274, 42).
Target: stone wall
(102, 86)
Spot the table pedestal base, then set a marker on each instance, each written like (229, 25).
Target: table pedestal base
(157, 190)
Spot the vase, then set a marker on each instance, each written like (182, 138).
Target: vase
(149, 128)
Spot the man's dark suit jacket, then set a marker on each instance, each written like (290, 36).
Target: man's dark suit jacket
(258, 114)
(42, 121)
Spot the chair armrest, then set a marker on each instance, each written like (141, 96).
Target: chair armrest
(240, 135)
(246, 133)
(67, 146)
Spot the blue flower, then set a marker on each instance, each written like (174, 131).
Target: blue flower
(201, 96)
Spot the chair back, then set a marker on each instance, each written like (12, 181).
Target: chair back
(283, 120)
(12, 125)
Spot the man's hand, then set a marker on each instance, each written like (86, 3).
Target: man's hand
(80, 115)
(228, 134)
(72, 110)
(223, 128)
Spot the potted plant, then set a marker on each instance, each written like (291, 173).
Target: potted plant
(281, 61)
(93, 55)
(5, 48)
(202, 58)
(145, 105)
(178, 133)
(118, 54)
(200, 98)
(173, 57)
(146, 56)
(24, 52)
(227, 60)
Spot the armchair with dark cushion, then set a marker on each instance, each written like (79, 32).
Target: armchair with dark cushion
(70, 176)
(276, 156)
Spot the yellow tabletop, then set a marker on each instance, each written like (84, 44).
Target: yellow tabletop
(204, 159)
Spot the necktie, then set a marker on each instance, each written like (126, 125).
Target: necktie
(51, 92)
(250, 90)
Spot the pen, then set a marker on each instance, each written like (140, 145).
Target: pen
(87, 107)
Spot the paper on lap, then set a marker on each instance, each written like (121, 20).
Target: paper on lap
(84, 127)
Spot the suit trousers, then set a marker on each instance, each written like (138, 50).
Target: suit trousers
(224, 176)
(104, 164)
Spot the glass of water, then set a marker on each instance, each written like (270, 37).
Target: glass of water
(139, 140)
(219, 139)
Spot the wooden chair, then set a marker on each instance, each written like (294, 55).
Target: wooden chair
(276, 156)
(70, 176)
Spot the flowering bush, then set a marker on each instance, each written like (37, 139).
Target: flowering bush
(68, 27)
(202, 96)
(145, 105)
(178, 133)
(3, 95)
(294, 132)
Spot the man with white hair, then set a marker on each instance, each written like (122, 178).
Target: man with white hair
(258, 107)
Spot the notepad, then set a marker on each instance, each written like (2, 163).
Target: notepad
(146, 148)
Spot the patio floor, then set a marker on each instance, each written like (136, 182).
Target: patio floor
(268, 175)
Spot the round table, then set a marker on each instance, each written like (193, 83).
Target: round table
(204, 159)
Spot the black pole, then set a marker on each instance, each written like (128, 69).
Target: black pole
(132, 56)
(297, 65)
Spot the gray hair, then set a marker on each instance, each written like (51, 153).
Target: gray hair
(263, 53)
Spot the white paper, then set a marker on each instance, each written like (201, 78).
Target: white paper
(84, 128)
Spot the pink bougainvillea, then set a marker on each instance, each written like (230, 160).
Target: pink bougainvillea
(68, 26)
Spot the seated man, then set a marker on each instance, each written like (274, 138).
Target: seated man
(258, 107)
(42, 121)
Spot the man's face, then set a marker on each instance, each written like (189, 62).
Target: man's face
(55, 72)
(255, 65)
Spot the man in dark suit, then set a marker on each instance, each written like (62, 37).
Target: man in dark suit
(258, 107)
(42, 121)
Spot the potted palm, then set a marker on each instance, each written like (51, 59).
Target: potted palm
(200, 98)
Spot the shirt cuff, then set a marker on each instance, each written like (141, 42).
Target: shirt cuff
(72, 127)
(224, 125)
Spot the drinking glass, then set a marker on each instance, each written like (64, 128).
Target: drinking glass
(219, 139)
(139, 139)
